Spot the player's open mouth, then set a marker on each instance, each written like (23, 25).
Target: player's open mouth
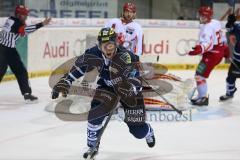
(109, 54)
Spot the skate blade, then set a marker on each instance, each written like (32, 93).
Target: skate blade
(228, 100)
(31, 102)
(198, 108)
(202, 108)
(90, 158)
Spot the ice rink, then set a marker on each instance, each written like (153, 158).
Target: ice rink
(27, 132)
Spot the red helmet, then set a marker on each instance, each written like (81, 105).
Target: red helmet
(206, 11)
(22, 10)
(129, 7)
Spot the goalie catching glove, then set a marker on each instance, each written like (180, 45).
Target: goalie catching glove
(61, 87)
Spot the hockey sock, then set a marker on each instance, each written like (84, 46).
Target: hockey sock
(201, 86)
(92, 134)
(230, 87)
(150, 131)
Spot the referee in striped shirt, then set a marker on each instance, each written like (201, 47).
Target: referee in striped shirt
(14, 28)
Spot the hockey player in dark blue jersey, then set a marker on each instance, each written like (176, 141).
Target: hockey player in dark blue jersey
(234, 69)
(118, 81)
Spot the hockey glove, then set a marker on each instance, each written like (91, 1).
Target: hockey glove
(61, 87)
(120, 38)
(231, 20)
(196, 50)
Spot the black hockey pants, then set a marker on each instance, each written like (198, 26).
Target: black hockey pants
(10, 57)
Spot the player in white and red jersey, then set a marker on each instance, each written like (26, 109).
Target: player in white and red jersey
(212, 48)
(129, 32)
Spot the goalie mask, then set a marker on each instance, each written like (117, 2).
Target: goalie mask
(107, 40)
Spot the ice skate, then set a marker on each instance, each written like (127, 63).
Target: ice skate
(200, 101)
(29, 98)
(91, 153)
(150, 138)
(227, 96)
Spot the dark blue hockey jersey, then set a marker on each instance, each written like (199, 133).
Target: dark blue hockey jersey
(122, 65)
(235, 30)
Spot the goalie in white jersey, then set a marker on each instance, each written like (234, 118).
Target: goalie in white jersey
(129, 32)
(212, 48)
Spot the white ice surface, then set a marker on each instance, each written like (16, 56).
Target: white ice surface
(28, 132)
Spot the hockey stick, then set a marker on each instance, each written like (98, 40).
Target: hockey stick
(234, 2)
(158, 57)
(105, 125)
(173, 107)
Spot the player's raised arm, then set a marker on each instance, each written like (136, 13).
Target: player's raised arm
(21, 12)
(14, 28)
